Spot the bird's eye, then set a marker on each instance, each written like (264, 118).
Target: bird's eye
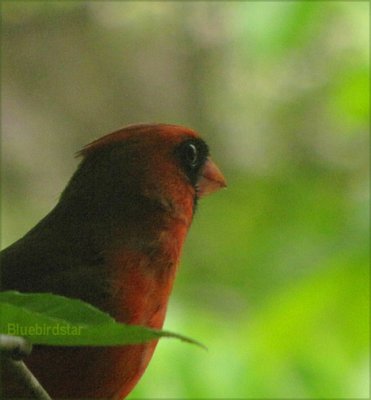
(191, 154)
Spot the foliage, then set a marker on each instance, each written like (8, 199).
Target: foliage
(44, 318)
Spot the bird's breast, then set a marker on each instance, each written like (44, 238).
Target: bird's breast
(141, 279)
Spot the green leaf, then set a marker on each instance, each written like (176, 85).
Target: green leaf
(48, 319)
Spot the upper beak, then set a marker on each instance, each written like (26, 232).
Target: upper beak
(211, 179)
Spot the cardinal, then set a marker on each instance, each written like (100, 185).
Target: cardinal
(114, 240)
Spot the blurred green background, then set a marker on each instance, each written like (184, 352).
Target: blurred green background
(274, 276)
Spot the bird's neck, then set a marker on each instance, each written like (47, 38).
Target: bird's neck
(138, 250)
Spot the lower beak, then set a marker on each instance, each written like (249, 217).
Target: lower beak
(210, 180)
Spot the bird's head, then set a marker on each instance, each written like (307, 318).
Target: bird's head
(167, 165)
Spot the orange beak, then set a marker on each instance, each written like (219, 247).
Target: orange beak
(211, 179)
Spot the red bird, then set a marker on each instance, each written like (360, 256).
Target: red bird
(114, 240)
